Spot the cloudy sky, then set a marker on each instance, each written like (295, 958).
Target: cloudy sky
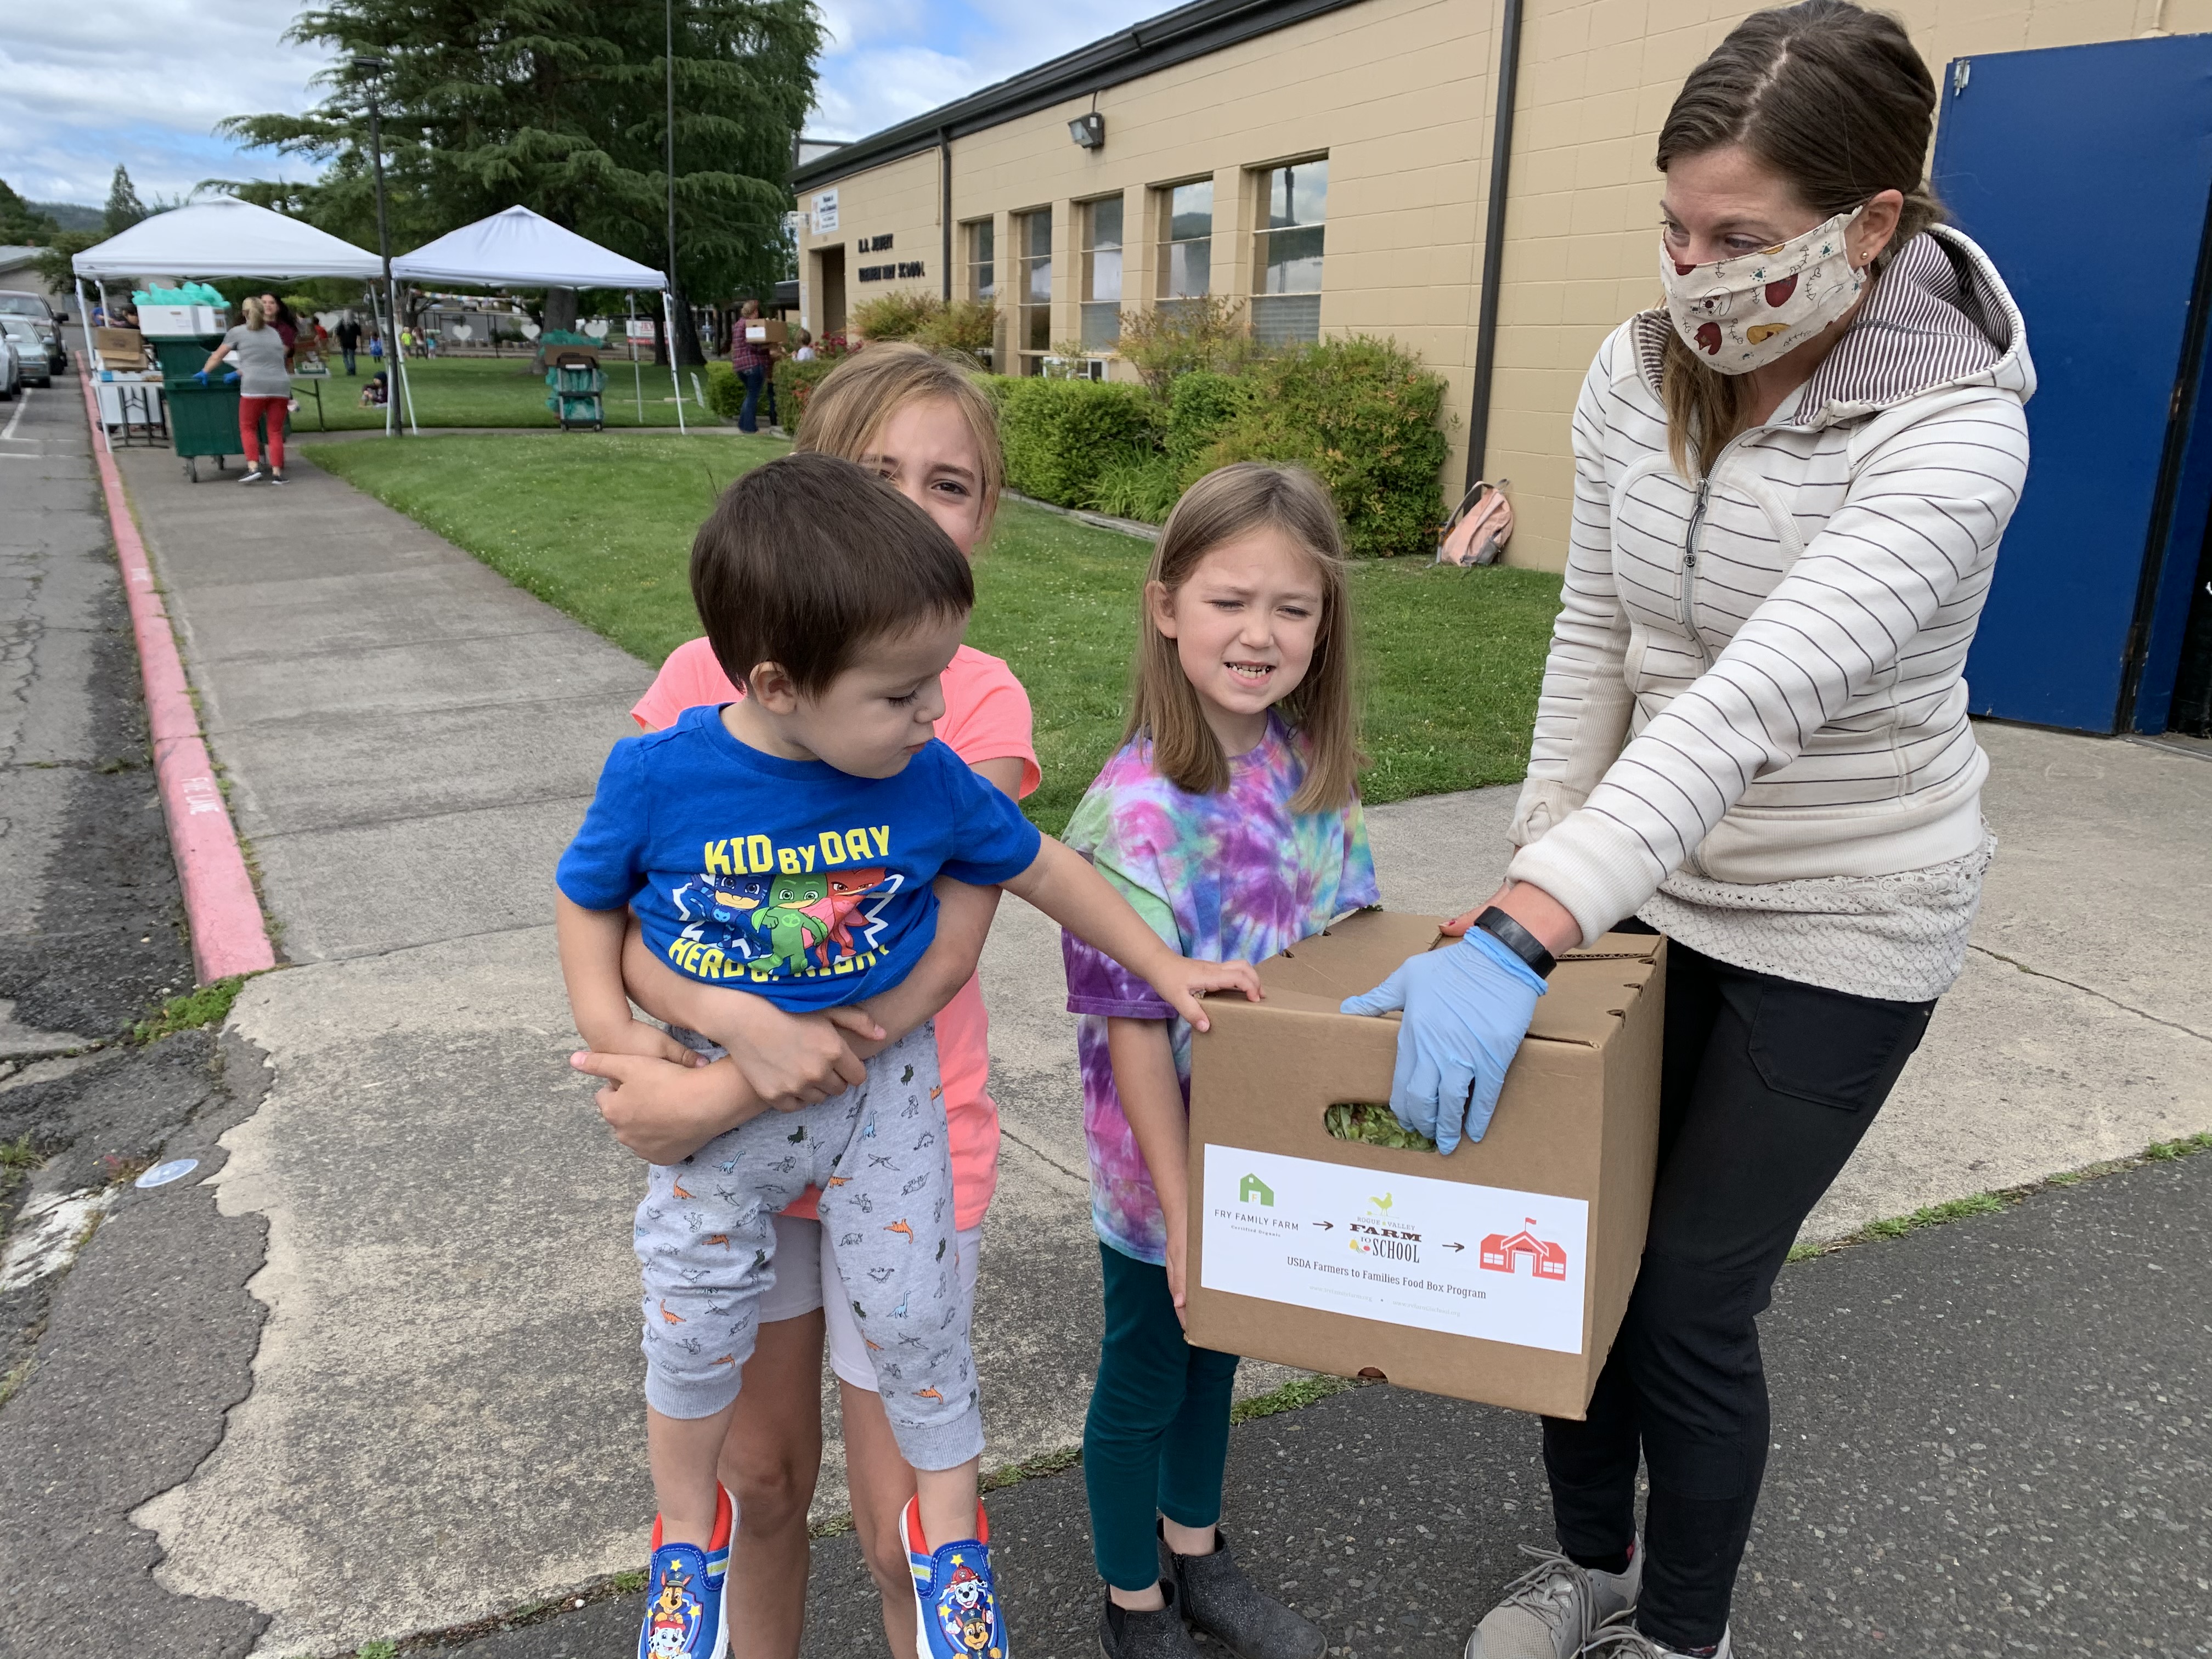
(144, 81)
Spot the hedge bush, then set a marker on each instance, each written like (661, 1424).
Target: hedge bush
(1363, 413)
(1061, 434)
(1366, 417)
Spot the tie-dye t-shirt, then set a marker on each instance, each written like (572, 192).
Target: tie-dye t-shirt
(1233, 877)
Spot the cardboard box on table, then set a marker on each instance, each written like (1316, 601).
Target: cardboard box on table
(1499, 1273)
(770, 331)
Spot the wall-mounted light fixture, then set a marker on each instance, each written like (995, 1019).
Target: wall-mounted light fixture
(1089, 130)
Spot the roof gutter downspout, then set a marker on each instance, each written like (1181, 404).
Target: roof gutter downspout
(945, 206)
(1493, 239)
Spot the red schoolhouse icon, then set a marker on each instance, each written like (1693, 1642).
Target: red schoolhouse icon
(1502, 1253)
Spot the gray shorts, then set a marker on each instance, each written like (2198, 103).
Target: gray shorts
(706, 1240)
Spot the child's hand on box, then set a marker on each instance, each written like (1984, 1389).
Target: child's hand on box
(1181, 981)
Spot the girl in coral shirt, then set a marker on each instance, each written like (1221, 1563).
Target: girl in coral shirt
(926, 426)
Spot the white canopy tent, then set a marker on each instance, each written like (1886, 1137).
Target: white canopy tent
(222, 237)
(522, 249)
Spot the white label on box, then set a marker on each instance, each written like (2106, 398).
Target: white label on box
(1439, 1255)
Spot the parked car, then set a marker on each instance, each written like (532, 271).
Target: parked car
(14, 302)
(37, 365)
(11, 370)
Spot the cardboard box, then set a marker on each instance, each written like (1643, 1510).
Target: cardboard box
(168, 322)
(210, 319)
(1499, 1273)
(769, 331)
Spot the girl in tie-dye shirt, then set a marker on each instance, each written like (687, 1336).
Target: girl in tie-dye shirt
(1229, 820)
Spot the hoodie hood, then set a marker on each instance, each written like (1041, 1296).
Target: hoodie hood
(1938, 319)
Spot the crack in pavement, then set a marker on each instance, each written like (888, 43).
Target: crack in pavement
(2092, 991)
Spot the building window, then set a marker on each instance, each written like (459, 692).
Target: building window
(1101, 273)
(1033, 314)
(1287, 263)
(1187, 245)
(982, 266)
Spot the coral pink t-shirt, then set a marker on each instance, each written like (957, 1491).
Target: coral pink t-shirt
(986, 718)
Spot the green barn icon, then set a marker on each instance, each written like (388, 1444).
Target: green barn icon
(1253, 1190)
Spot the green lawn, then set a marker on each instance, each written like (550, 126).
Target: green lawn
(486, 392)
(601, 526)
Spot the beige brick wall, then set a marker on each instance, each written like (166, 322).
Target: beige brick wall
(1396, 93)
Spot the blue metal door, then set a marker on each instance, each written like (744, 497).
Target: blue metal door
(2086, 172)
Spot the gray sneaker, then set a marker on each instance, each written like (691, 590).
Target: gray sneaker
(1551, 1611)
(1618, 1638)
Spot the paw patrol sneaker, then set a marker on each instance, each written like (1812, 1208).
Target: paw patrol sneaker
(684, 1616)
(955, 1606)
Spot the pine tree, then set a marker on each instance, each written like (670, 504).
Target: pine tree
(123, 208)
(558, 105)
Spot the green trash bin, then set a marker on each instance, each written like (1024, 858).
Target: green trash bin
(202, 423)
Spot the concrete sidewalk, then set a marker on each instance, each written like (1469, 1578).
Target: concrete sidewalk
(444, 1419)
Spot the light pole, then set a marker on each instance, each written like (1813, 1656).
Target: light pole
(668, 68)
(370, 69)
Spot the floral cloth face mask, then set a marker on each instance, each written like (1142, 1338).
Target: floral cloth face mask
(1743, 313)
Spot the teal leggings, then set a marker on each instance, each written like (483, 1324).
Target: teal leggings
(1157, 1434)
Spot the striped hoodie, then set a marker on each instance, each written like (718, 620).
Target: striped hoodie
(1757, 677)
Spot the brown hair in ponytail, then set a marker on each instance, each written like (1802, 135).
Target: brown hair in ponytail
(1829, 96)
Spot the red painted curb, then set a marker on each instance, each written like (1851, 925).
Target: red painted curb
(228, 934)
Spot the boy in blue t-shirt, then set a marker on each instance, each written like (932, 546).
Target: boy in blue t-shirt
(784, 846)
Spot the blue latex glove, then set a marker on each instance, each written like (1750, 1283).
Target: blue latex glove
(231, 379)
(1467, 1008)
(201, 377)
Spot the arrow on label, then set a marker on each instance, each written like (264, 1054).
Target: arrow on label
(1326, 1226)
(1454, 1247)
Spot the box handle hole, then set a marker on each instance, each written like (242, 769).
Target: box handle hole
(1371, 1123)
(1370, 1374)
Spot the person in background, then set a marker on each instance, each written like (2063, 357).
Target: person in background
(752, 360)
(806, 352)
(349, 340)
(377, 392)
(265, 387)
(279, 317)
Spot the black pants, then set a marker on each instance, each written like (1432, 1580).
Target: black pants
(1766, 1087)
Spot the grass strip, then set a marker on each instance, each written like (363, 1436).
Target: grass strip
(1957, 1209)
(465, 392)
(203, 1005)
(601, 525)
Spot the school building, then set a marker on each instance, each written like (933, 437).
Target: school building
(1332, 162)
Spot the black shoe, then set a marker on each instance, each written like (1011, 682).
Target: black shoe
(276, 478)
(1159, 1634)
(1223, 1603)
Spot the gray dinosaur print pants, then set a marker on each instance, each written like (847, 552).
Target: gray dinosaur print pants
(706, 1239)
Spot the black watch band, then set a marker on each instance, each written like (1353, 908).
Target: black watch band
(1518, 939)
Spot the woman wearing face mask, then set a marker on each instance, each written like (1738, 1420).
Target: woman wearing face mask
(1790, 486)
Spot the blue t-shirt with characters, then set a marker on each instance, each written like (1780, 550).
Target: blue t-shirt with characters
(786, 878)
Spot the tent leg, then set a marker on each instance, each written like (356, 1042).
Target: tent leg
(398, 353)
(89, 363)
(668, 329)
(636, 375)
